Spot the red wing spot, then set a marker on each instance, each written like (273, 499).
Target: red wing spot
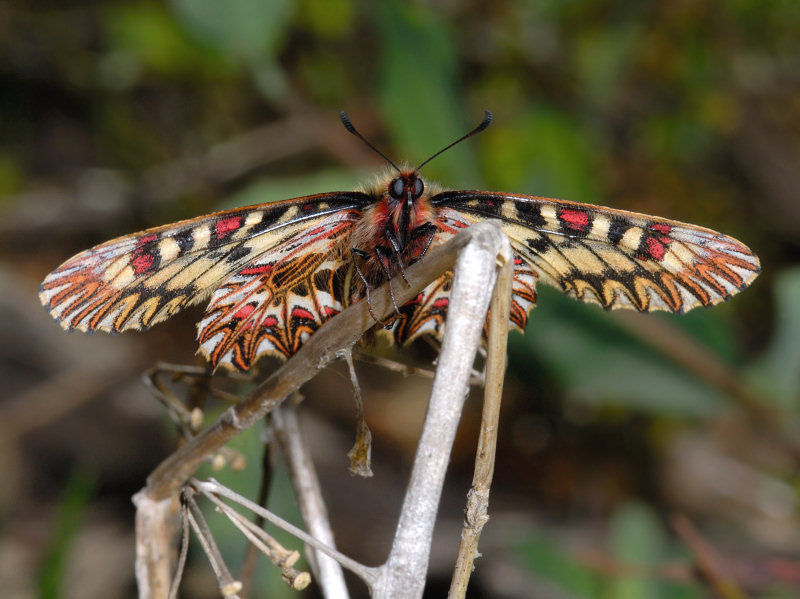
(301, 313)
(460, 225)
(256, 270)
(661, 228)
(226, 225)
(655, 249)
(269, 322)
(145, 240)
(244, 311)
(517, 260)
(441, 303)
(142, 263)
(574, 219)
(308, 207)
(329, 312)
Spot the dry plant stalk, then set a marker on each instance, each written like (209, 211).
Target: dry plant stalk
(476, 512)
(327, 571)
(706, 564)
(403, 575)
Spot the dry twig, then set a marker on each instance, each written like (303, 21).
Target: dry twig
(309, 498)
(476, 513)
(706, 560)
(408, 558)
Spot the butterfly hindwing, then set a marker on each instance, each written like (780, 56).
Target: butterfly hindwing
(614, 258)
(427, 313)
(275, 302)
(138, 280)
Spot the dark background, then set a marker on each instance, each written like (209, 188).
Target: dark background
(119, 116)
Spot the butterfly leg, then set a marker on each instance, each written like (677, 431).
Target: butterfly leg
(396, 251)
(424, 229)
(383, 258)
(355, 252)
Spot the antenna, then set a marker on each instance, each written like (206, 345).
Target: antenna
(349, 126)
(487, 120)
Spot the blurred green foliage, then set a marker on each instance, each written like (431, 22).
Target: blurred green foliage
(74, 501)
(660, 107)
(776, 370)
(636, 538)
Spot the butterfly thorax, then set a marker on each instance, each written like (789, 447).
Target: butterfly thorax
(397, 229)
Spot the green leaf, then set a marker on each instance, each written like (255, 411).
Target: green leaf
(250, 30)
(547, 560)
(777, 371)
(274, 190)
(599, 363)
(603, 56)
(74, 501)
(12, 177)
(712, 328)
(678, 137)
(418, 91)
(328, 18)
(144, 36)
(543, 152)
(637, 540)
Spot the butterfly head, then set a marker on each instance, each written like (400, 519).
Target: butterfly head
(404, 198)
(402, 215)
(408, 187)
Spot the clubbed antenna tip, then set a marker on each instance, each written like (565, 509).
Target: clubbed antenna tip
(349, 126)
(487, 120)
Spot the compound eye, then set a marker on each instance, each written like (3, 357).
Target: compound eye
(419, 187)
(396, 188)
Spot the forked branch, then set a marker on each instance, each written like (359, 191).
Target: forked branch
(477, 249)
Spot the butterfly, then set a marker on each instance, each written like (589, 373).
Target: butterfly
(274, 273)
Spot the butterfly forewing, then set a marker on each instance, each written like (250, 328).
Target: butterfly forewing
(136, 281)
(614, 258)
